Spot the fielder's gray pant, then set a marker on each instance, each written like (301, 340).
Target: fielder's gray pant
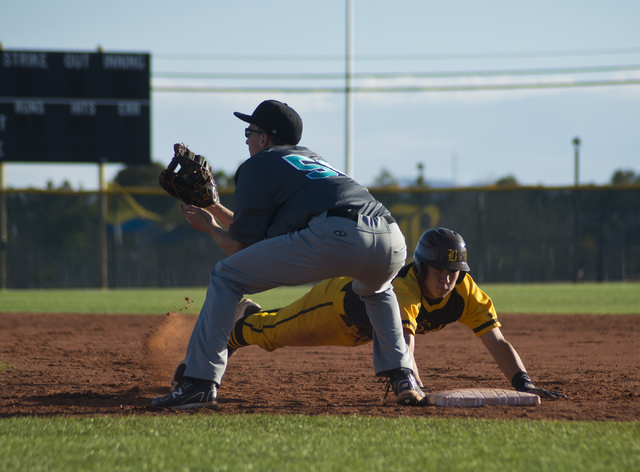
(370, 250)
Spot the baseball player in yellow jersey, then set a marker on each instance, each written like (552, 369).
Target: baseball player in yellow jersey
(432, 291)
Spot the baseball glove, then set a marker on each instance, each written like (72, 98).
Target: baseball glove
(193, 183)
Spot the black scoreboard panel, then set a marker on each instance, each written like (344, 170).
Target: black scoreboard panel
(74, 107)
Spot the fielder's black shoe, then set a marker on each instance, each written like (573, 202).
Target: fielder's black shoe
(406, 387)
(194, 393)
(178, 376)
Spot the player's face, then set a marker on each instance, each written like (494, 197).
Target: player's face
(255, 139)
(439, 283)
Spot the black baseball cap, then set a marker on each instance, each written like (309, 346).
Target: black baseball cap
(277, 119)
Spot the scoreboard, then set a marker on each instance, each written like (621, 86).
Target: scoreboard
(74, 107)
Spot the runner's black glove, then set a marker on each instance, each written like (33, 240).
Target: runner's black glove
(522, 383)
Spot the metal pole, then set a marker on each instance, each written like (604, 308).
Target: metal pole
(4, 239)
(576, 156)
(104, 252)
(349, 164)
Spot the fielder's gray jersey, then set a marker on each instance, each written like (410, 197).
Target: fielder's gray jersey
(279, 189)
(282, 197)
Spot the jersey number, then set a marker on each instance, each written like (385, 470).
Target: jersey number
(316, 169)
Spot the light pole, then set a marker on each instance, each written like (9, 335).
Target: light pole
(349, 164)
(420, 182)
(576, 147)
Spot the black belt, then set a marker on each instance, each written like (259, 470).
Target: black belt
(351, 213)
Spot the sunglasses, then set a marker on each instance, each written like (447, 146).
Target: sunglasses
(248, 131)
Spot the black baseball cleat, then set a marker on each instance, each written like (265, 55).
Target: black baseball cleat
(194, 393)
(406, 388)
(246, 307)
(178, 376)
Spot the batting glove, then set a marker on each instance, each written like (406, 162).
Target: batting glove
(522, 383)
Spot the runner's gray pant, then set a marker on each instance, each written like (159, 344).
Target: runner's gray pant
(370, 250)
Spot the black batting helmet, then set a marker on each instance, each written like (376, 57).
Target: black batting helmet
(441, 249)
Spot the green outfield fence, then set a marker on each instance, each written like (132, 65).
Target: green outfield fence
(136, 237)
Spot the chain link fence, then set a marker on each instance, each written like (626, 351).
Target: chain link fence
(134, 237)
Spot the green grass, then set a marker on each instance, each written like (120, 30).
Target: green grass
(300, 443)
(587, 298)
(142, 301)
(592, 298)
(147, 301)
(4, 367)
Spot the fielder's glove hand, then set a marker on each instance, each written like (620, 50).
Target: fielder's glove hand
(193, 183)
(522, 383)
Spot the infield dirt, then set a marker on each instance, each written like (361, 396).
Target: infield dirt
(87, 365)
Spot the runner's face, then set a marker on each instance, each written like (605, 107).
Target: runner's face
(439, 283)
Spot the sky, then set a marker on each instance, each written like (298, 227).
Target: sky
(462, 137)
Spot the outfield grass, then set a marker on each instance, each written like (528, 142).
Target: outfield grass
(588, 298)
(300, 443)
(187, 300)
(566, 298)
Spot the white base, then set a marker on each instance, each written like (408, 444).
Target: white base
(481, 396)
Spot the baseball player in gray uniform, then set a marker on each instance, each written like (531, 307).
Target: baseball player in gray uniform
(297, 220)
